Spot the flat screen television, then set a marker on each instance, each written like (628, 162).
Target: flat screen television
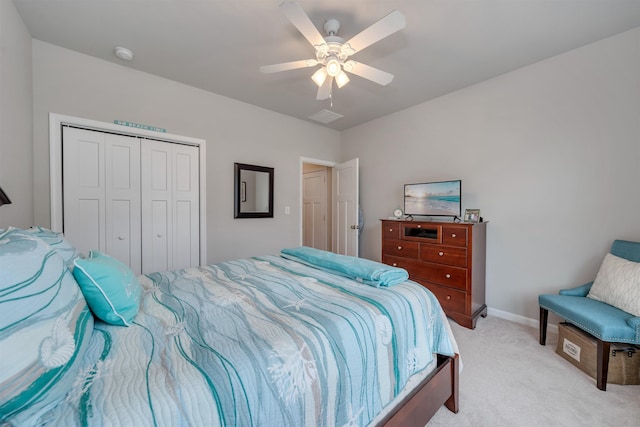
(443, 198)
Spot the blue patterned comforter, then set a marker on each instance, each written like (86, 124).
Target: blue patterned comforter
(256, 342)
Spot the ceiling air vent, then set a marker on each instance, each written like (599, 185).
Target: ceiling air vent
(325, 116)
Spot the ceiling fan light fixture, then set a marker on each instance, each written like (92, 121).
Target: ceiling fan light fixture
(319, 76)
(342, 79)
(333, 67)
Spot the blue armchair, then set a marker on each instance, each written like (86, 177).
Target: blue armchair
(606, 323)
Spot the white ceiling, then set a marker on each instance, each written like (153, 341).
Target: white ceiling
(218, 45)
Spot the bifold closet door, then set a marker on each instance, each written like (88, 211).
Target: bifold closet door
(101, 193)
(170, 206)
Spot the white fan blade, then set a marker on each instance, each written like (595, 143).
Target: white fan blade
(324, 91)
(301, 21)
(370, 73)
(288, 66)
(386, 26)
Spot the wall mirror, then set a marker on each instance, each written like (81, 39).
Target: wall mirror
(253, 191)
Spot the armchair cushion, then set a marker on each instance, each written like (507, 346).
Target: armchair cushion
(601, 320)
(618, 284)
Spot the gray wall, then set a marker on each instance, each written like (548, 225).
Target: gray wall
(16, 151)
(550, 153)
(74, 84)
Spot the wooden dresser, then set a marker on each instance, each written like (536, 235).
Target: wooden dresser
(447, 258)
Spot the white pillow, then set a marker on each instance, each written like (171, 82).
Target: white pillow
(618, 284)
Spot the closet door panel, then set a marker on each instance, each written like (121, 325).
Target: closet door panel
(170, 206)
(84, 188)
(123, 214)
(156, 206)
(186, 206)
(159, 254)
(183, 240)
(88, 230)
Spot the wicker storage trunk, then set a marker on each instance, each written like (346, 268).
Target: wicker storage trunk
(580, 349)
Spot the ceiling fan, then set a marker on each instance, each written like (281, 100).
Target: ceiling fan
(333, 52)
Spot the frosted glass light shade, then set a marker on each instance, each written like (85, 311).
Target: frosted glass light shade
(319, 76)
(342, 79)
(333, 67)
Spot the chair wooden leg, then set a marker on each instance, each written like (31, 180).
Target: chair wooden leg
(544, 316)
(603, 364)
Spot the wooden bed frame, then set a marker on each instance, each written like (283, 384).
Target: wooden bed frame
(439, 388)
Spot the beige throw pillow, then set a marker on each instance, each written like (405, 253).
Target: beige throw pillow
(618, 284)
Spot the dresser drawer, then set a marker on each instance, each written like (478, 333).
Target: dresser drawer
(401, 248)
(456, 236)
(451, 300)
(399, 262)
(454, 277)
(390, 230)
(450, 255)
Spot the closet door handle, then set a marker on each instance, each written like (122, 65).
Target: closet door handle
(158, 235)
(120, 237)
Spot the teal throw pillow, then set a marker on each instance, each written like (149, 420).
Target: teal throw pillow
(110, 288)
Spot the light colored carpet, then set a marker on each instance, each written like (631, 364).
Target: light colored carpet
(509, 379)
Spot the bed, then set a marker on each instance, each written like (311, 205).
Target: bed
(268, 340)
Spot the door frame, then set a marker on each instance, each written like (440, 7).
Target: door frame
(56, 121)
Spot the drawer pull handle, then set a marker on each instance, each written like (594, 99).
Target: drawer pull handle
(399, 248)
(391, 230)
(441, 253)
(395, 264)
(448, 276)
(419, 226)
(453, 235)
(448, 297)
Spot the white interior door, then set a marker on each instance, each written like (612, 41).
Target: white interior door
(84, 188)
(314, 208)
(186, 206)
(170, 206)
(345, 208)
(101, 181)
(156, 206)
(122, 191)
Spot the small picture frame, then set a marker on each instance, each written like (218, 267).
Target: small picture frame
(243, 191)
(471, 215)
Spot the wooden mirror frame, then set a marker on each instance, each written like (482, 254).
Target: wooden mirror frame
(238, 191)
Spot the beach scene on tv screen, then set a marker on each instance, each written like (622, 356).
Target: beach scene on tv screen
(436, 198)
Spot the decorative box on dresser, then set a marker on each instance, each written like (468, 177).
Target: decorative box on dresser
(447, 258)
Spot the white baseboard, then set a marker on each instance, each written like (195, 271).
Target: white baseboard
(534, 323)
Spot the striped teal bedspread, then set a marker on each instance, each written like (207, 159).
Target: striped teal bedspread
(256, 342)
